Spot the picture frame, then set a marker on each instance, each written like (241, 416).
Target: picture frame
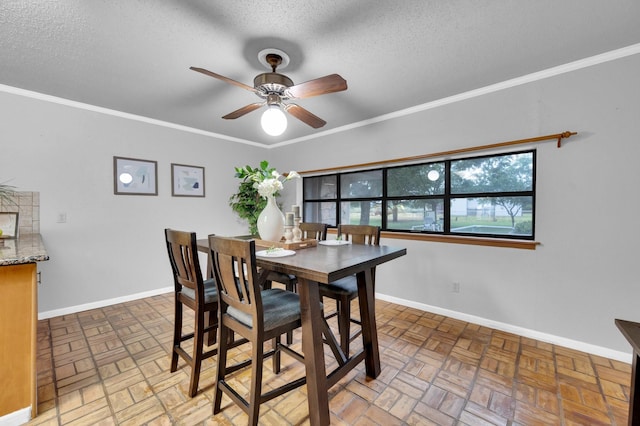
(187, 181)
(9, 225)
(134, 176)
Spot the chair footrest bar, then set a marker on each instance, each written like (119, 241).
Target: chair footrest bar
(242, 364)
(238, 366)
(235, 396)
(355, 335)
(291, 352)
(207, 329)
(186, 337)
(268, 396)
(184, 354)
(210, 353)
(237, 343)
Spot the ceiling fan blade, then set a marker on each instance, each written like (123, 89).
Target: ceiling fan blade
(305, 116)
(320, 86)
(244, 110)
(223, 78)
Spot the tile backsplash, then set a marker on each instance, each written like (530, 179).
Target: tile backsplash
(27, 204)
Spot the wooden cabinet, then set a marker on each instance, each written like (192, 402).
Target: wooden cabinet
(18, 323)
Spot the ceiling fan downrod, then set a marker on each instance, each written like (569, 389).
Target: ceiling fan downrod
(274, 60)
(272, 82)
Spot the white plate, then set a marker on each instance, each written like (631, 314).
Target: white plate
(334, 242)
(278, 252)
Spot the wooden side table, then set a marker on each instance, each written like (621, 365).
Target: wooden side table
(631, 331)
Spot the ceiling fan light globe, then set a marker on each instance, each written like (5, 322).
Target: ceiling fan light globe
(274, 121)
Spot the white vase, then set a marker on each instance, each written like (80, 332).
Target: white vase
(271, 221)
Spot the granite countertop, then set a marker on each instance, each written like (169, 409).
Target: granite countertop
(25, 249)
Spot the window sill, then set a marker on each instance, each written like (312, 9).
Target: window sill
(452, 239)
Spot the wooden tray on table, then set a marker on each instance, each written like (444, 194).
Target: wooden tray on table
(311, 242)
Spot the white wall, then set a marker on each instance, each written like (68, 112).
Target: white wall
(112, 245)
(579, 279)
(584, 273)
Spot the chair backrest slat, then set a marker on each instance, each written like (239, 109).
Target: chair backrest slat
(236, 275)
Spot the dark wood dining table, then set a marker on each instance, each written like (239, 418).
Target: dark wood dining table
(631, 331)
(324, 264)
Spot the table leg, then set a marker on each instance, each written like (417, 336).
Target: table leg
(313, 350)
(367, 299)
(634, 397)
(210, 337)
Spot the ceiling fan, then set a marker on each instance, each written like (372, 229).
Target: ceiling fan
(275, 88)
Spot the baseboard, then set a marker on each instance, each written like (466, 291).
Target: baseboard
(101, 304)
(521, 331)
(19, 417)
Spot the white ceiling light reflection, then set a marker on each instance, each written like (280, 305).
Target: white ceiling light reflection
(433, 175)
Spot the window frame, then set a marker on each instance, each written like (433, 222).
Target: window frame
(447, 197)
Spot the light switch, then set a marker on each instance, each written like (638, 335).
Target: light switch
(62, 218)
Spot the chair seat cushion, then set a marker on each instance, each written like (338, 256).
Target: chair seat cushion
(280, 307)
(210, 291)
(343, 286)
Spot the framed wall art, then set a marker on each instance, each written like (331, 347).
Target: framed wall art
(187, 181)
(132, 176)
(8, 225)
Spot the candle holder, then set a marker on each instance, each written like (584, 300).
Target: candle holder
(288, 235)
(297, 232)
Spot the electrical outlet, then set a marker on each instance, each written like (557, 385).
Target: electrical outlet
(62, 218)
(455, 287)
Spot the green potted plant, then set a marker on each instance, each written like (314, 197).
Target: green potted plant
(256, 184)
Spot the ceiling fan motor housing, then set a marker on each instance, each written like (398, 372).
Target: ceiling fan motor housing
(272, 83)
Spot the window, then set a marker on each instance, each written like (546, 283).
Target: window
(490, 196)
(320, 194)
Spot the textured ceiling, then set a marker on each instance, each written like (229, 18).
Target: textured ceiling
(133, 56)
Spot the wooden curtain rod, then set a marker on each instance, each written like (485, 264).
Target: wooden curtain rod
(557, 136)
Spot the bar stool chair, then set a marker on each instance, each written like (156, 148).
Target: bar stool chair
(192, 291)
(314, 230)
(344, 290)
(254, 313)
